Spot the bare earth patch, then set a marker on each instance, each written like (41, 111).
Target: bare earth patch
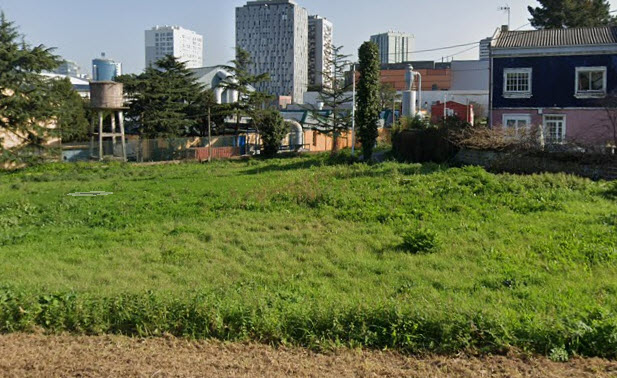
(24, 355)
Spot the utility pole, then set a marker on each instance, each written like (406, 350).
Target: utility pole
(394, 109)
(209, 136)
(353, 114)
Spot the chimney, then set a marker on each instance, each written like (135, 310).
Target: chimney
(505, 28)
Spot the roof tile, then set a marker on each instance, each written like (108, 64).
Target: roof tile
(604, 35)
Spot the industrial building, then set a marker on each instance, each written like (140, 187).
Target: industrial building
(275, 33)
(394, 47)
(320, 40)
(214, 78)
(184, 44)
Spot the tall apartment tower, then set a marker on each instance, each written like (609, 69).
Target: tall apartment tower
(320, 53)
(186, 45)
(394, 47)
(275, 33)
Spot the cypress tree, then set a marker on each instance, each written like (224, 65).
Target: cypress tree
(367, 115)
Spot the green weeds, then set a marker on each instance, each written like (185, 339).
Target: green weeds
(307, 251)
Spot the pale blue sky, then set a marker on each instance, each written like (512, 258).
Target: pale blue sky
(82, 29)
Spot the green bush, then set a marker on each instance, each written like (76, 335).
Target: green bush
(420, 242)
(272, 129)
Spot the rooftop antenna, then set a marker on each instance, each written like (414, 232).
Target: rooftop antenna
(506, 8)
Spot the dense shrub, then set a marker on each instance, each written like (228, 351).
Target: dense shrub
(420, 241)
(272, 129)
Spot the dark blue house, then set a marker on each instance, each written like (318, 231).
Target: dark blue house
(560, 80)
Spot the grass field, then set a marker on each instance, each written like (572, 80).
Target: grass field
(308, 252)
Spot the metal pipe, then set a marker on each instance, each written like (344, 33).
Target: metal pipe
(419, 90)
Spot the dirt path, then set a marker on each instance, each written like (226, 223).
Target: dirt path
(68, 356)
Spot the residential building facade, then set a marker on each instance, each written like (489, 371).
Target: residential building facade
(557, 79)
(394, 47)
(275, 33)
(321, 50)
(184, 44)
(104, 69)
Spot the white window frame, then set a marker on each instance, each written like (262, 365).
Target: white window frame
(547, 133)
(517, 118)
(517, 94)
(590, 94)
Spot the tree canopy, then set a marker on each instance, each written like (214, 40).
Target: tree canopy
(72, 117)
(334, 118)
(272, 128)
(559, 14)
(244, 83)
(26, 97)
(165, 101)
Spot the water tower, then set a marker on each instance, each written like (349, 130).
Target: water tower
(107, 97)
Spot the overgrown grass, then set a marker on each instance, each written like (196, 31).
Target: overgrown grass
(419, 258)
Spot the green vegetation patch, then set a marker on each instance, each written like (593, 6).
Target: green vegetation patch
(309, 251)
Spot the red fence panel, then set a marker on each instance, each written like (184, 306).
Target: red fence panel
(218, 153)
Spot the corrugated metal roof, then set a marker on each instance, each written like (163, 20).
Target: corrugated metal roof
(605, 35)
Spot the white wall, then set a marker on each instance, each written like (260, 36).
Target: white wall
(470, 75)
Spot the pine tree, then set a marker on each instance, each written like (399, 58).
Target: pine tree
(27, 107)
(334, 119)
(558, 14)
(165, 101)
(367, 115)
(244, 83)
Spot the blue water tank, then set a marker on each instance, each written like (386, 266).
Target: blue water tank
(105, 69)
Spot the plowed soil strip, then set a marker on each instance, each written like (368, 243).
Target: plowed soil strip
(110, 356)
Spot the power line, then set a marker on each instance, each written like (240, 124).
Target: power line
(445, 48)
(461, 52)
(519, 28)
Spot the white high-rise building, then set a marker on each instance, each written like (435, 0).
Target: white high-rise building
(186, 45)
(394, 47)
(321, 50)
(275, 33)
